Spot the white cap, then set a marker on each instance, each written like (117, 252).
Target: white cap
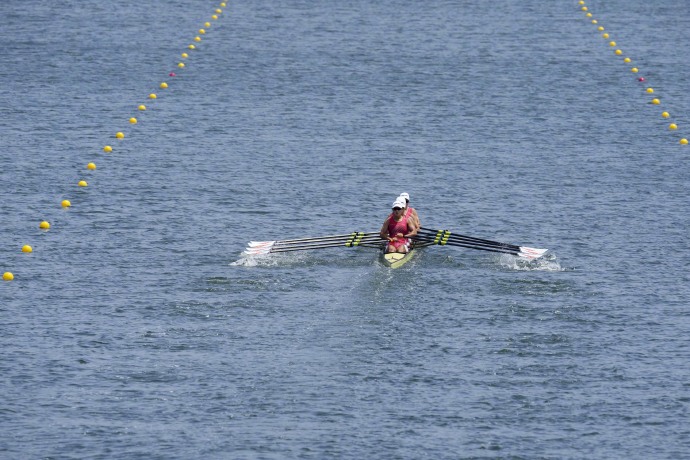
(399, 203)
(405, 195)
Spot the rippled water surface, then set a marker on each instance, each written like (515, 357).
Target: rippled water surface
(136, 329)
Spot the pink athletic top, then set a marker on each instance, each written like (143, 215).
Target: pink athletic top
(398, 227)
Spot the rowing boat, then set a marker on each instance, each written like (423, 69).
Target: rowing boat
(424, 237)
(397, 259)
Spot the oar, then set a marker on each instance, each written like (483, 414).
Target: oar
(444, 241)
(301, 248)
(446, 235)
(466, 245)
(491, 246)
(320, 246)
(352, 240)
(527, 255)
(317, 238)
(271, 250)
(420, 243)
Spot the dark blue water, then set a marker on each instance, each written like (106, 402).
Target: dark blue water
(136, 329)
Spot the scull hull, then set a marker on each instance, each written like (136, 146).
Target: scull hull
(397, 259)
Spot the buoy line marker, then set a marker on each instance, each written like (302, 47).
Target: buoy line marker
(634, 69)
(44, 225)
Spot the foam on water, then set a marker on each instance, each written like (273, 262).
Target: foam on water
(549, 262)
(271, 260)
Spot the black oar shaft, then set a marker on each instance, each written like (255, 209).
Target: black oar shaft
(326, 238)
(476, 246)
(445, 235)
(354, 241)
(451, 242)
(317, 246)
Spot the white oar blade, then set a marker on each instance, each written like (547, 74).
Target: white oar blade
(253, 244)
(259, 247)
(531, 253)
(256, 251)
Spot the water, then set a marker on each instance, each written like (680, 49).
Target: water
(136, 330)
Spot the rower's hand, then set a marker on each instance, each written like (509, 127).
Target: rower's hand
(400, 235)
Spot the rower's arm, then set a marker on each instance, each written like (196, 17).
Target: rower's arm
(411, 230)
(384, 230)
(418, 223)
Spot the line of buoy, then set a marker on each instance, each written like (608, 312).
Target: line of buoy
(120, 135)
(635, 70)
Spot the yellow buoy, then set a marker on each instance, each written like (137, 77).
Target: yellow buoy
(584, 8)
(594, 21)
(152, 96)
(207, 24)
(107, 149)
(683, 141)
(197, 39)
(656, 101)
(600, 28)
(214, 17)
(612, 43)
(66, 203)
(142, 107)
(634, 70)
(619, 52)
(627, 60)
(665, 114)
(120, 135)
(91, 166)
(191, 47)
(27, 248)
(202, 31)
(164, 85)
(589, 15)
(133, 121)
(82, 183)
(7, 276)
(44, 225)
(581, 2)
(223, 4)
(605, 35)
(180, 65)
(673, 126)
(650, 90)
(219, 11)
(185, 55)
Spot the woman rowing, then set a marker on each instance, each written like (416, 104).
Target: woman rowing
(398, 228)
(411, 212)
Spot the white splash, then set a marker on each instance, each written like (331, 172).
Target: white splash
(268, 260)
(548, 262)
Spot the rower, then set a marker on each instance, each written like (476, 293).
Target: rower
(398, 228)
(410, 211)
